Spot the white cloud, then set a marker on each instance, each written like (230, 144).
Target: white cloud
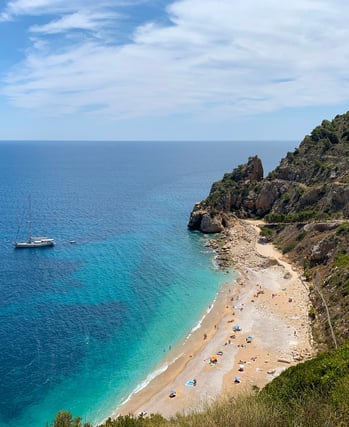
(36, 7)
(46, 7)
(217, 58)
(78, 20)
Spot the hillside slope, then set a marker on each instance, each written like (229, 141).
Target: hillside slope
(305, 204)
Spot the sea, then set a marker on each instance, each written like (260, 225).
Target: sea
(88, 322)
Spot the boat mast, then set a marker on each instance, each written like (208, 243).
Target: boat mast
(30, 218)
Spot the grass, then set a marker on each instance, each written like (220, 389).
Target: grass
(314, 393)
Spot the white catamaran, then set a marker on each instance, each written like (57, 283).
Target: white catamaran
(33, 242)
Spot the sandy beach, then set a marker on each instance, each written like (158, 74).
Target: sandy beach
(258, 326)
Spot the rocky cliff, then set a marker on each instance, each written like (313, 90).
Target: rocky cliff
(305, 205)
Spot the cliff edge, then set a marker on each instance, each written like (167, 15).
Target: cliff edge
(304, 203)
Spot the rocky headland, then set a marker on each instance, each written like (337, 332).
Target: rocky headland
(304, 207)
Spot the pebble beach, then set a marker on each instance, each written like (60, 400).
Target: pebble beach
(257, 327)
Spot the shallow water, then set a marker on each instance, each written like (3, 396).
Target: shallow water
(84, 324)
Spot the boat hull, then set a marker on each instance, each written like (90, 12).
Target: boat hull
(33, 242)
(40, 243)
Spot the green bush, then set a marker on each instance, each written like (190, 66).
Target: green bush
(275, 217)
(289, 247)
(65, 419)
(343, 229)
(312, 312)
(342, 260)
(266, 232)
(314, 393)
(301, 236)
(319, 378)
(302, 216)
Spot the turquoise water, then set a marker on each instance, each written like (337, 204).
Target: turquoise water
(82, 325)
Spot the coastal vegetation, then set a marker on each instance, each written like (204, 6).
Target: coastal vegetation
(313, 393)
(304, 207)
(304, 204)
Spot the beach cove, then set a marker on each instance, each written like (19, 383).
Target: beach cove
(257, 327)
(134, 284)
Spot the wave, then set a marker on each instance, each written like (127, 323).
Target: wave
(198, 325)
(149, 378)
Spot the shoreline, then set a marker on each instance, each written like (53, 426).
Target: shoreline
(177, 359)
(267, 301)
(176, 352)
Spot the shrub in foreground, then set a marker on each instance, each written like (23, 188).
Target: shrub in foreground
(314, 393)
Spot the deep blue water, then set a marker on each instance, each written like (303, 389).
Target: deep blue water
(81, 325)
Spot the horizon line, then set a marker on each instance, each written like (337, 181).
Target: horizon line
(148, 140)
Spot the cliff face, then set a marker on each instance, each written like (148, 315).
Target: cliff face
(311, 181)
(305, 204)
(235, 193)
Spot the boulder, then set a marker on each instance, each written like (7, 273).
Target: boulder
(211, 224)
(196, 218)
(201, 220)
(322, 251)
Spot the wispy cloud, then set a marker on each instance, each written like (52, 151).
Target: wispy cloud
(37, 7)
(217, 58)
(75, 21)
(16, 8)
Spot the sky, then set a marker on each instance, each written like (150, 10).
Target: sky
(171, 69)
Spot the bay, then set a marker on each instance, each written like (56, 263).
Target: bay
(83, 324)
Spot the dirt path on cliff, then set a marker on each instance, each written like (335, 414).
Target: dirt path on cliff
(268, 250)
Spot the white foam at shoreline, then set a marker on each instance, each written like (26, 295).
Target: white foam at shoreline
(209, 309)
(164, 367)
(198, 325)
(149, 378)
